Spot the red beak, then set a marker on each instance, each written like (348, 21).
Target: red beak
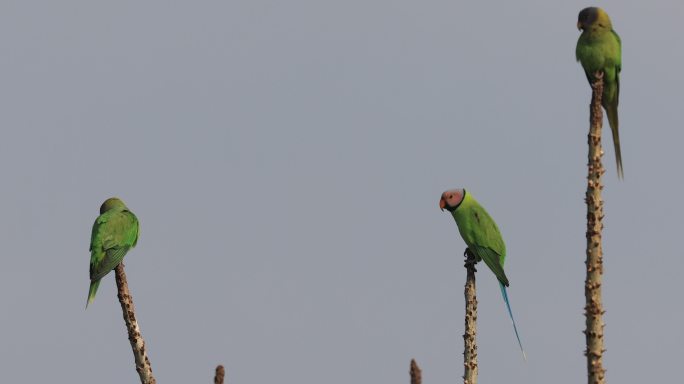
(442, 203)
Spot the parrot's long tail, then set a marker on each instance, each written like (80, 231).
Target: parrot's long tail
(612, 112)
(91, 293)
(510, 313)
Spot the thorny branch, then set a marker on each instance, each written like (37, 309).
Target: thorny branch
(594, 263)
(415, 373)
(469, 342)
(142, 362)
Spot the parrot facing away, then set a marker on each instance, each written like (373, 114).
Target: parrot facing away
(599, 49)
(482, 236)
(115, 231)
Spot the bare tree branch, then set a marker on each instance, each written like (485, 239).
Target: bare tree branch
(220, 375)
(415, 373)
(469, 342)
(142, 363)
(592, 285)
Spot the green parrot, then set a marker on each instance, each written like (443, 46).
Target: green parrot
(599, 48)
(482, 236)
(115, 231)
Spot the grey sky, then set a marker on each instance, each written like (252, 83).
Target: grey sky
(286, 159)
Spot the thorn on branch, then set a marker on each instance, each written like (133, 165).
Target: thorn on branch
(415, 373)
(220, 375)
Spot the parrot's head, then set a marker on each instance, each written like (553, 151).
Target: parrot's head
(451, 199)
(593, 18)
(112, 203)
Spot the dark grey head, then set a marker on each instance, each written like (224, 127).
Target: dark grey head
(587, 17)
(593, 17)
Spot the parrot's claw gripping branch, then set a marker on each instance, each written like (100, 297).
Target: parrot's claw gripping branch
(469, 342)
(470, 260)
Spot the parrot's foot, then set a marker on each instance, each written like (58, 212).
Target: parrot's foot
(470, 260)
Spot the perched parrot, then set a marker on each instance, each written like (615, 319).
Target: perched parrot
(115, 231)
(599, 49)
(482, 236)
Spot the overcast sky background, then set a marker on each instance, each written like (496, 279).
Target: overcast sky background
(286, 158)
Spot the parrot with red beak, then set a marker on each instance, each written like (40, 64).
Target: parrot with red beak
(482, 236)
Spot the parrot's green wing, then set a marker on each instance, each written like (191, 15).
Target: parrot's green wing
(114, 233)
(618, 65)
(491, 258)
(619, 55)
(112, 258)
(482, 236)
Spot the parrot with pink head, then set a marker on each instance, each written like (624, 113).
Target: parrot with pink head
(482, 236)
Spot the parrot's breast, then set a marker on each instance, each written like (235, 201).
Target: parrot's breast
(598, 51)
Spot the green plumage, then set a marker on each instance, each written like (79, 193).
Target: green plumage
(599, 49)
(115, 231)
(482, 236)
